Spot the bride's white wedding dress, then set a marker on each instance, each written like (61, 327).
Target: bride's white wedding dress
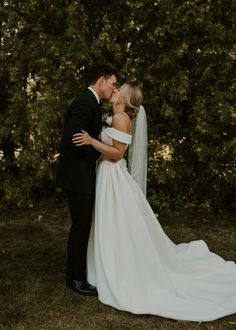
(137, 268)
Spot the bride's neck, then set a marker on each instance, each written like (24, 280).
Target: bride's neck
(118, 108)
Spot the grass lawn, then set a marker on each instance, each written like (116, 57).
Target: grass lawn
(32, 273)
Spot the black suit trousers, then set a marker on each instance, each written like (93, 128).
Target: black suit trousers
(81, 209)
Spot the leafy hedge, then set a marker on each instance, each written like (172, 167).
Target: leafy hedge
(182, 54)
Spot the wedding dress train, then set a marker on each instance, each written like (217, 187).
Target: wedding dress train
(137, 268)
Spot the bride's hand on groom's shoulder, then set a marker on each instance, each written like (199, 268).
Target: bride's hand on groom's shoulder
(80, 139)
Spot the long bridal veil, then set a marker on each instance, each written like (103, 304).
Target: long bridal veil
(137, 158)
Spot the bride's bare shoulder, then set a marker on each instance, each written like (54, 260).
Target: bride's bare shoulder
(121, 121)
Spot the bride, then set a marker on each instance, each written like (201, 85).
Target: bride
(133, 263)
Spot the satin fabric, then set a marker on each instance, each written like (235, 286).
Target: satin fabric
(137, 268)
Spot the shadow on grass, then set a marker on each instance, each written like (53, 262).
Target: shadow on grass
(32, 275)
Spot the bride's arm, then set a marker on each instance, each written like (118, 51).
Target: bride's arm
(114, 152)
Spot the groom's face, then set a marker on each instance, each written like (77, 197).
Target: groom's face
(108, 86)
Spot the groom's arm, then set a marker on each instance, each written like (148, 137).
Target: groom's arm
(78, 119)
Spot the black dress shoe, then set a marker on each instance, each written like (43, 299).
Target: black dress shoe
(82, 287)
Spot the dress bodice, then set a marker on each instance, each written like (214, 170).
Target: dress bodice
(109, 133)
(105, 138)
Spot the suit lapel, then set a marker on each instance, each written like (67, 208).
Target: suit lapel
(92, 97)
(95, 102)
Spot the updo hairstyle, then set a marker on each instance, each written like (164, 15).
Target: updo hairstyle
(133, 98)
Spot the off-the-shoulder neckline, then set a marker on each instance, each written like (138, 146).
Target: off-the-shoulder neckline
(115, 129)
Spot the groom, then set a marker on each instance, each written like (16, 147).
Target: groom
(76, 171)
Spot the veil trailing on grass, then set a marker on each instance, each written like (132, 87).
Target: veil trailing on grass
(138, 150)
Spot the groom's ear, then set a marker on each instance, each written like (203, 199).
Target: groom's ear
(101, 80)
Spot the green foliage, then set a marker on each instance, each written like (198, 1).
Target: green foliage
(182, 54)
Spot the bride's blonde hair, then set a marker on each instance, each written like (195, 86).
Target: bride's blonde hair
(133, 98)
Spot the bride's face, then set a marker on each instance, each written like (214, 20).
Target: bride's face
(117, 96)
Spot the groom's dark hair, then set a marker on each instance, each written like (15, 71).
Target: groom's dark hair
(97, 70)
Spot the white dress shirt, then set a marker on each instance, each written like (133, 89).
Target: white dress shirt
(95, 94)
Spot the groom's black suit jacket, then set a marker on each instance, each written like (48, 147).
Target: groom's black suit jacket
(76, 169)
